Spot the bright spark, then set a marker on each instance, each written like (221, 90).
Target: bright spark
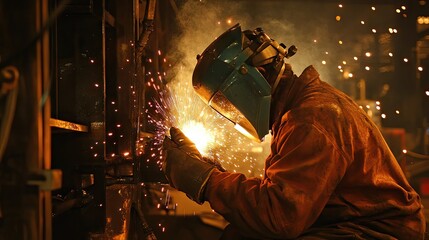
(197, 133)
(176, 104)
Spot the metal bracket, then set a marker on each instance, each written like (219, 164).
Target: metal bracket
(47, 180)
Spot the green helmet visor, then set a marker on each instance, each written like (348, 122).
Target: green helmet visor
(226, 80)
(224, 107)
(251, 125)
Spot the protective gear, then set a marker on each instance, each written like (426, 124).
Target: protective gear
(184, 166)
(226, 77)
(330, 174)
(189, 147)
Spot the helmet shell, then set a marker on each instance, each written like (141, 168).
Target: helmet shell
(226, 80)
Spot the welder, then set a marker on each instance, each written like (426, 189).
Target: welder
(330, 173)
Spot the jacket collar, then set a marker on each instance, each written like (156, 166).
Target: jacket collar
(288, 92)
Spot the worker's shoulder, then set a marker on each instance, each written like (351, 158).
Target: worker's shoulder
(309, 73)
(324, 109)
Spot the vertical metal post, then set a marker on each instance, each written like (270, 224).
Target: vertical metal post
(43, 115)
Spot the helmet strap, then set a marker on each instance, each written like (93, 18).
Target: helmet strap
(279, 76)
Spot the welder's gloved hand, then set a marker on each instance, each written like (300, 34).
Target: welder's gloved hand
(184, 143)
(184, 166)
(189, 147)
(215, 163)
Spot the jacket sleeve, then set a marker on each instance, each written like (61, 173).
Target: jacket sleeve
(304, 169)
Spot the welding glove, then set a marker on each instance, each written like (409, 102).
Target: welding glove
(184, 167)
(189, 147)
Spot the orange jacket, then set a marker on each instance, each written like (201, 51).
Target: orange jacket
(330, 175)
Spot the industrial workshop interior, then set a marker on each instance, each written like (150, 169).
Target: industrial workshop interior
(88, 89)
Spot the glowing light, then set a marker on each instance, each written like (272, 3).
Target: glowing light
(367, 68)
(350, 75)
(373, 8)
(355, 58)
(258, 149)
(398, 10)
(96, 85)
(344, 62)
(323, 62)
(176, 104)
(403, 8)
(362, 22)
(244, 132)
(383, 115)
(374, 30)
(406, 60)
(420, 69)
(404, 151)
(423, 20)
(427, 93)
(340, 5)
(368, 54)
(397, 111)
(340, 42)
(229, 21)
(198, 134)
(390, 54)
(377, 102)
(338, 18)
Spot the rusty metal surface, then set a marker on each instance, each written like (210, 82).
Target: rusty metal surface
(67, 125)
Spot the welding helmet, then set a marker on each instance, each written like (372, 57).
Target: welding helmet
(227, 78)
